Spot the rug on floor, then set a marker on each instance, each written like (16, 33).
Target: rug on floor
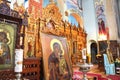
(77, 75)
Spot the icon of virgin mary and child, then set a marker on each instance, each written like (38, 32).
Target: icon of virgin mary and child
(58, 68)
(4, 49)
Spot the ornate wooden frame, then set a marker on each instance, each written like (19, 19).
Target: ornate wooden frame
(51, 22)
(64, 63)
(8, 16)
(14, 34)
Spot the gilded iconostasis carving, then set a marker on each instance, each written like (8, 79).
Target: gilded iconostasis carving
(51, 23)
(49, 20)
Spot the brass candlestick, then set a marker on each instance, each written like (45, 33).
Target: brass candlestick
(18, 76)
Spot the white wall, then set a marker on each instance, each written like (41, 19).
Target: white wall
(90, 21)
(111, 19)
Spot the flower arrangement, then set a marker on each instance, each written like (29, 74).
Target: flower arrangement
(117, 60)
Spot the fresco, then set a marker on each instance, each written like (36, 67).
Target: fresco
(74, 5)
(70, 4)
(101, 19)
(72, 20)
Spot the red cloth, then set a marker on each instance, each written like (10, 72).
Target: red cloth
(77, 75)
(114, 77)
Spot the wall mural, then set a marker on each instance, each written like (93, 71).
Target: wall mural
(70, 4)
(72, 20)
(33, 5)
(75, 5)
(101, 19)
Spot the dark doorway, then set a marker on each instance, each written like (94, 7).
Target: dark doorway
(93, 53)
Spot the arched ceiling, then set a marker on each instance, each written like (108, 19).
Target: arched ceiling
(71, 6)
(77, 16)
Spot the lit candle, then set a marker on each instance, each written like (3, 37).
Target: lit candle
(18, 60)
(0, 45)
(118, 52)
(1, 50)
(84, 53)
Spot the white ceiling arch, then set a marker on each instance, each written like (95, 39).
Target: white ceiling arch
(76, 15)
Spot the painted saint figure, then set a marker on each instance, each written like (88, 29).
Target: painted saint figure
(58, 68)
(4, 49)
(101, 18)
(101, 25)
(30, 49)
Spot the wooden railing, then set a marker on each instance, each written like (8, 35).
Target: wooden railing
(31, 70)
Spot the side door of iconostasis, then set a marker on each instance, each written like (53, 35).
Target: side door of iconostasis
(78, 43)
(29, 41)
(32, 43)
(32, 39)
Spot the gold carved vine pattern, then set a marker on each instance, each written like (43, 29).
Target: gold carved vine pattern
(51, 23)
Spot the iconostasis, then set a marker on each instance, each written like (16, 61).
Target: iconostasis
(50, 19)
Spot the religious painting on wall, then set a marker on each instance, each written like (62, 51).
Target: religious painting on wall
(101, 19)
(103, 47)
(74, 4)
(7, 44)
(30, 46)
(57, 64)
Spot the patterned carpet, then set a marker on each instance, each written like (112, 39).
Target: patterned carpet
(95, 73)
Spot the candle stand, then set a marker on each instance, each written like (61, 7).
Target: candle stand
(84, 68)
(18, 63)
(18, 76)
